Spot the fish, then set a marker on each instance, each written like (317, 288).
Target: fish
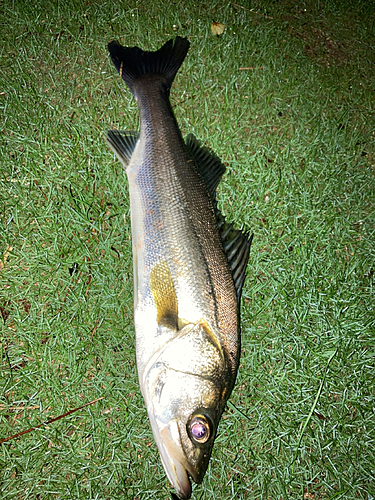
(189, 267)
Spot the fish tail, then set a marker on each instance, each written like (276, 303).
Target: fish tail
(133, 63)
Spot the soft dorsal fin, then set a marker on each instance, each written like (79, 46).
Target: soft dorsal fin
(209, 165)
(236, 243)
(122, 144)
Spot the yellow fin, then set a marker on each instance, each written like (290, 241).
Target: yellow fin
(162, 288)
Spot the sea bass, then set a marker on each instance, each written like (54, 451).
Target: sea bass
(189, 267)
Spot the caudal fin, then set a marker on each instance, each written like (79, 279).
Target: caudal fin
(132, 63)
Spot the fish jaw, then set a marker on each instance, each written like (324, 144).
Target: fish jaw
(174, 461)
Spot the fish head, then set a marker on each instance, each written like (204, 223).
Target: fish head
(185, 390)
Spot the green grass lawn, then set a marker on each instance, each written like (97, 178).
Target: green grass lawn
(286, 98)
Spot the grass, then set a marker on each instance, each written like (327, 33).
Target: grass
(296, 131)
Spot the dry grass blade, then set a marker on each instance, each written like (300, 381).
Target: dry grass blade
(4, 440)
(251, 10)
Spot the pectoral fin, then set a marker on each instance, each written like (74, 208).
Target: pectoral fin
(164, 294)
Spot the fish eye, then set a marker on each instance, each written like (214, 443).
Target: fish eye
(200, 429)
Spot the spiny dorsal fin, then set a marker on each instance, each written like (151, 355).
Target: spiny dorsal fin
(122, 144)
(209, 165)
(165, 298)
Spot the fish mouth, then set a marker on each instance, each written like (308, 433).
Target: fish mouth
(176, 465)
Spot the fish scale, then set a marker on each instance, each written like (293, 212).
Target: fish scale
(189, 266)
